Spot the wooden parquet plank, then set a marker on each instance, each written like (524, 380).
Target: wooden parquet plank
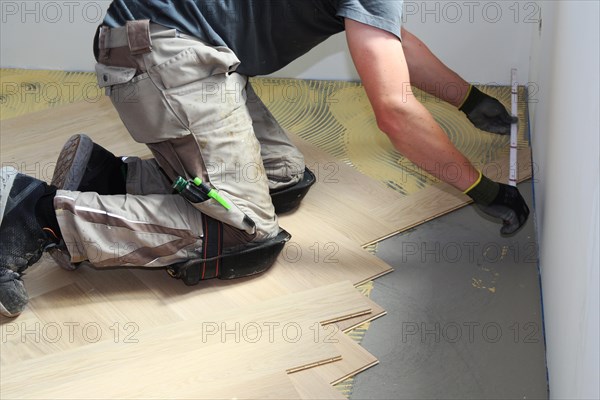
(354, 360)
(313, 386)
(351, 323)
(282, 334)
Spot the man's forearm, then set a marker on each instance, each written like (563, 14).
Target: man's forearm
(410, 127)
(414, 133)
(430, 74)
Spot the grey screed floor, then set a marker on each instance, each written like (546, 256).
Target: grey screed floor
(464, 313)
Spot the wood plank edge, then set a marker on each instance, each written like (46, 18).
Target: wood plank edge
(346, 317)
(313, 365)
(373, 317)
(373, 277)
(354, 373)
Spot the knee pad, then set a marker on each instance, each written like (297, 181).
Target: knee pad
(235, 262)
(288, 199)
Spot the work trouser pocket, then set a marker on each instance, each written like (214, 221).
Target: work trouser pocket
(141, 105)
(199, 85)
(194, 88)
(193, 64)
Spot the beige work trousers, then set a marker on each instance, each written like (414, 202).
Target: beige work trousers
(200, 118)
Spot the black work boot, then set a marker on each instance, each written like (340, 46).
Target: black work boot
(13, 296)
(28, 226)
(26, 229)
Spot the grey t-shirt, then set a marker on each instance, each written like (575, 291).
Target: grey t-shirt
(266, 35)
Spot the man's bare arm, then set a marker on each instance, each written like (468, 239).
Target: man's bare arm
(430, 74)
(379, 59)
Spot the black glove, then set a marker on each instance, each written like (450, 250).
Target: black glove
(500, 201)
(487, 113)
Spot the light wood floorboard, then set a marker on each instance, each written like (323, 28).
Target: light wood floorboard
(206, 353)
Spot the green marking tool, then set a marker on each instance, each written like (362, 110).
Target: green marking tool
(212, 193)
(197, 191)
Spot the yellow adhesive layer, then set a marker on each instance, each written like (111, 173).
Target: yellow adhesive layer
(337, 117)
(25, 91)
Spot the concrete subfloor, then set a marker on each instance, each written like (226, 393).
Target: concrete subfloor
(464, 313)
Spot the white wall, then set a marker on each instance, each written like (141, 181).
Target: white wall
(42, 34)
(565, 137)
(481, 40)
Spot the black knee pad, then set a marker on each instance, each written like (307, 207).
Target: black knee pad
(236, 262)
(288, 199)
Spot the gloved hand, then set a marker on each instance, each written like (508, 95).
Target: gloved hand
(486, 112)
(500, 201)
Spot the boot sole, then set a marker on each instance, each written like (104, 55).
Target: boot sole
(6, 313)
(20, 293)
(68, 174)
(72, 160)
